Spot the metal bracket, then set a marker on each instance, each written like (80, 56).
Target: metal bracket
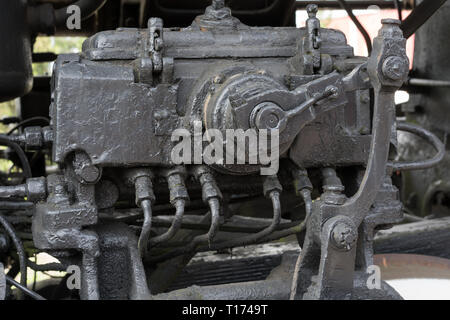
(153, 63)
(156, 42)
(312, 41)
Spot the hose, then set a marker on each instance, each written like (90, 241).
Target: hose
(176, 225)
(16, 205)
(360, 27)
(6, 141)
(427, 136)
(214, 211)
(262, 236)
(146, 206)
(275, 198)
(214, 206)
(20, 250)
(27, 121)
(398, 6)
(24, 289)
(7, 192)
(306, 195)
(53, 266)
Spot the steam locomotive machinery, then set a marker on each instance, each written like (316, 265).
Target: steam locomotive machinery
(119, 206)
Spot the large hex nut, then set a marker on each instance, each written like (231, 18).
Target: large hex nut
(33, 137)
(36, 189)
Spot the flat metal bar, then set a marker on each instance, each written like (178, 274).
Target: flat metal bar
(428, 83)
(419, 16)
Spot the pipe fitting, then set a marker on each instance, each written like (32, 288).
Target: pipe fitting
(332, 187)
(142, 181)
(210, 189)
(35, 189)
(271, 184)
(177, 187)
(145, 196)
(301, 180)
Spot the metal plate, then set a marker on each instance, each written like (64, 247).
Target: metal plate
(2, 282)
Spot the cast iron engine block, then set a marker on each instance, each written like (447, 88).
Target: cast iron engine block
(116, 105)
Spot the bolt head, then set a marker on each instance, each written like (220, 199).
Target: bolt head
(218, 4)
(344, 236)
(395, 68)
(269, 116)
(312, 10)
(89, 173)
(36, 189)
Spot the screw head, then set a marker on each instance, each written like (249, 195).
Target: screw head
(218, 4)
(344, 236)
(312, 9)
(89, 173)
(268, 116)
(395, 68)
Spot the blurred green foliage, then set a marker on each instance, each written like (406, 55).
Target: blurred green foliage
(56, 45)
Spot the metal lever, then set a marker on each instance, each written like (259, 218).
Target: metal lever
(332, 228)
(270, 116)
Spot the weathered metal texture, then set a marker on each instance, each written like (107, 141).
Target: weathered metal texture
(60, 224)
(248, 265)
(331, 275)
(115, 106)
(386, 210)
(94, 107)
(428, 107)
(273, 288)
(120, 270)
(120, 90)
(191, 43)
(228, 271)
